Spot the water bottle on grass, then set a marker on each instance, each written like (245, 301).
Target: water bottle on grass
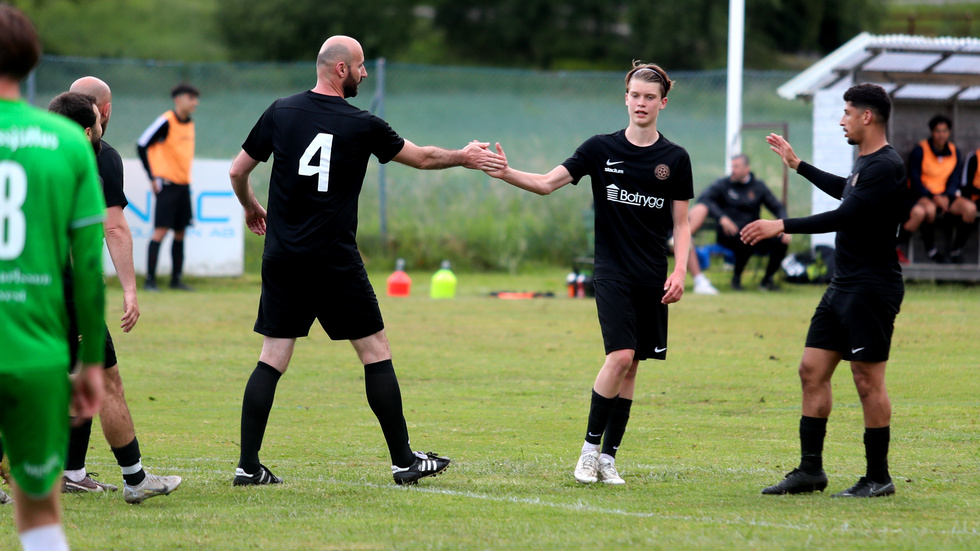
(443, 282)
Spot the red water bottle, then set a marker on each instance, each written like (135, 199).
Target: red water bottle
(570, 283)
(399, 284)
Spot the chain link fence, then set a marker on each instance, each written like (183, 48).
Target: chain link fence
(464, 216)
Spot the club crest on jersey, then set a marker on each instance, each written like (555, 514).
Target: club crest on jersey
(617, 195)
(662, 172)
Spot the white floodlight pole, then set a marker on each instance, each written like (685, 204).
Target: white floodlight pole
(736, 50)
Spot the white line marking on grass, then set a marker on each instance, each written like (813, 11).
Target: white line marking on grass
(579, 506)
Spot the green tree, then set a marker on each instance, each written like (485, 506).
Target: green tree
(142, 29)
(679, 35)
(537, 33)
(286, 30)
(817, 27)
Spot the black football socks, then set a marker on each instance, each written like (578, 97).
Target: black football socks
(260, 391)
(812, 433)
(151, 260)
(385, 398)
(616, 426)
(599, 413)
(177, 260)
(876, 452)
(78, 446)
(129, 460)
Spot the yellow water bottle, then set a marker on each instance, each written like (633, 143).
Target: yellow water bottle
(443, 282)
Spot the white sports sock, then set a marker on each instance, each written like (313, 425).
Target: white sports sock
(45, 538)
(586, 448)
(76, 476)
(606, 458)
(132, 469)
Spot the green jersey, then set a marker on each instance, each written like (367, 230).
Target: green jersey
(51, 208)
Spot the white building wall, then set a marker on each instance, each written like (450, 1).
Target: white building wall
(831, 151)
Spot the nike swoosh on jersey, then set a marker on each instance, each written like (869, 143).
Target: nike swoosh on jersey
(659, 350)
(856, 350)
(610, 162)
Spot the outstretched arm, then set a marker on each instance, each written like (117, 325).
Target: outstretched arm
(830, 184)
(541, 184)
(475, 155)
(254, 212)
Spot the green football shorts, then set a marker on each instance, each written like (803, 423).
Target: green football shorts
(34, 426)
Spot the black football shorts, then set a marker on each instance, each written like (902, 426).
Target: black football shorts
(296, 293)
(858, 325)
(173, 207)
(73, 338)
(632, 317)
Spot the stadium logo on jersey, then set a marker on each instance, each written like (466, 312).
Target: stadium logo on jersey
(610, 163)
(662, 172)
(617, 195)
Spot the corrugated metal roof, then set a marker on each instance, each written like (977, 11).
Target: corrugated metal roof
(928, 91)
(914, 64)
(959, 63)
(971, 93)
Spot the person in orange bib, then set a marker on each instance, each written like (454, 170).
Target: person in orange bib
(166, 148)
(933, 170)
(965, 204)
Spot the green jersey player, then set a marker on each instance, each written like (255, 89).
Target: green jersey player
(51, 207)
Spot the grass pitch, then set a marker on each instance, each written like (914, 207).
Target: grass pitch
(502, 387)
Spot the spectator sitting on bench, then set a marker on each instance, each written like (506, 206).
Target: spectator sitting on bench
(734, 201)
(965, 204)
(933, 170)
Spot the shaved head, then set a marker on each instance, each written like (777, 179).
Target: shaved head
(340, 66)
(91, 86)
(94, 87)
(336, 49)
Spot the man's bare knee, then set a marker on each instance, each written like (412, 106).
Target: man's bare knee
(113, 381)
(373, 348)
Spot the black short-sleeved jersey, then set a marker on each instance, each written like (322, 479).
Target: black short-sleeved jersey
(873, 205)
(320, 146)
(632, 187)
(111, 172)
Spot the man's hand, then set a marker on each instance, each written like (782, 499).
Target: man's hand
(255, 218)
(131, 312)
(761, 229)
(782, 148)
(786, 238)
(499, 172)
(88, 388)
(477, 155)
(674, 287)
(942, 202)
(156, 184)
(728, 226)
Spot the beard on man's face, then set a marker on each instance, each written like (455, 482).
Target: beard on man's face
(350, 85)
